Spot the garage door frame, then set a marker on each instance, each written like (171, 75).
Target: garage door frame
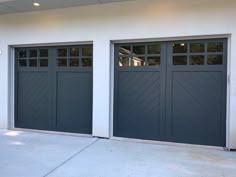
(226, 65)
(53, 69)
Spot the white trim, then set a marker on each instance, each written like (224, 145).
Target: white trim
(228, 94)
(179, 38)
(11, 86)
(167, 143)
(52, 132)
(112, 86)
(53, 44)
(11, 77)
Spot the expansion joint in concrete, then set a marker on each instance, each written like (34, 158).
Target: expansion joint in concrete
(70, 158)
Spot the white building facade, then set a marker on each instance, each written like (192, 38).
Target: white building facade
(105, 25)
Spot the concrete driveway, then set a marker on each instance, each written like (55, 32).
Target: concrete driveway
(26, 154)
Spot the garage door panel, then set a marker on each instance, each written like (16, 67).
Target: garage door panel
(74, 100)
(139, 104)
(189, 82)
(192, 105)
(195, 111)
(54, 88)
(33, 100)
(203, 88)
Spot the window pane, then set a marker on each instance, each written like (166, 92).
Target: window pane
(22, 53)
(62, 52)
(180, 48)
(74, 52)
(43, 52)
(197, 47)
(215, 47)
(62, 62)
(197, 60)
(138, 61)
(87, 62)
(139, 50)
(87, 51)
(124, 50)
(33, 63)
(33, 53)
(179, 60)
(44, 63)
(154, 49)
(22, 63)
(215, 59)
(124, 61)
(74, 62)
(152, 61)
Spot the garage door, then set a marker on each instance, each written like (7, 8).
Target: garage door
(171, 91)
(54, 88)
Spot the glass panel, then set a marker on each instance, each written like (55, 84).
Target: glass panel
(197, 47)
(74, 62)
(138, 61)
(152, 61)
(215, 59)
(179, 60)
(180, 48)
(22, 53)
(215, 47)
(74, 52)
(87, 51)
(139, 50)
(22, 63)
(197, 60)
(43, 52)
(62, 62)
(44, 63)
(33, 53)
(154, 49)
(124, 50)
(62, 52)
(87, 62)
(124, 61)
(33, 63)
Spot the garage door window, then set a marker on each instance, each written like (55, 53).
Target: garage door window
(215, 53)
(197, 59)
(197, 53)
(180, 60)
(87, 57)
(75, 57)
(139, 55)
(22, 58)
(155, 60)
(32, 57)
(180, 48)
(43, 56)
(215, 60)
(33, 54)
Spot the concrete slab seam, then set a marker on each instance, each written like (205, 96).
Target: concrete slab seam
(67, 160)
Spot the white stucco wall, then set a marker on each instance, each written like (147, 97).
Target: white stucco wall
(141, 19)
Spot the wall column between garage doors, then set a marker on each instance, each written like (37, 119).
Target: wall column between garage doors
(4, 122)
(101, 88)
(231, 129)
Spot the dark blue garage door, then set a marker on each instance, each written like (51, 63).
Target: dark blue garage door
(171, 91)
(54, 88)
